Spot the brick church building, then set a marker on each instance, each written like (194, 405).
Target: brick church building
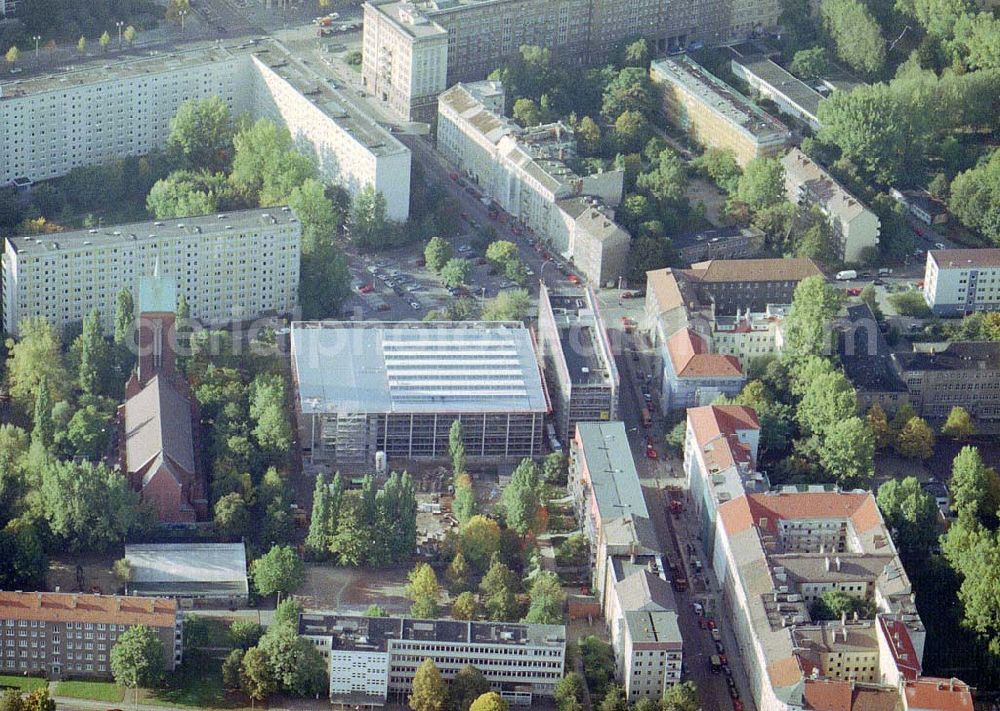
(159, 443)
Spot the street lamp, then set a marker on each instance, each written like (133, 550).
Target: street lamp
(36, 38)
(181, 14)
(541, 270)
(119, 25)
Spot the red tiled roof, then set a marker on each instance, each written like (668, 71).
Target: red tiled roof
(827, 695)
(904, 655)
(718, 423)
(937, 694)
(736, 516)
(860, 508)
(74, 607)
(691, 358)
(751, 270)
(784, 672)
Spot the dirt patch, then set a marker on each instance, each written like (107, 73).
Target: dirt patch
(702, 191)
(96, 573)
(347, 589)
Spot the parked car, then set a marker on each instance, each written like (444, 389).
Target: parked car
(415, 305)
(573, 279)
(737, 705)
(651, 452)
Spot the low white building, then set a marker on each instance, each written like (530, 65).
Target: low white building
(962, 281)
(771, 81)
(855, 227)
(230, 267)
(525, 172)
(374, 659)
(199, 574)
(52, 123)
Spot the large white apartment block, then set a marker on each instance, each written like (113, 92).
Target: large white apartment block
(524, 171)
(413, 50)
(230, 267)
(93, 113)
(855, 227)
(962, 281)
(374, 659)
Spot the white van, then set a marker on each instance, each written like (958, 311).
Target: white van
(847, 275)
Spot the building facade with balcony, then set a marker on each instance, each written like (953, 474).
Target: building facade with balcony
(962, 281)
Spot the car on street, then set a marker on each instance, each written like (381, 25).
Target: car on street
(651, 452)
(573, 279)
(733, 693)
(366, 288)
(698, 608)
(415, 305)
(939, 245)
(703, 623)
(737, 705)
(853, 291)
(465, 216)
(719, 647)
(464, 249)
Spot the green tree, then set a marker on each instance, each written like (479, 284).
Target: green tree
(424, 592)
(911, 513)
(879, 425)
(369, 224)
(498, 592)
(832, 604)
(35, 357)
(287, 612)
(465, 606)
(374, 610)
(137, 658)
(519, 498)
(278, 571)
(185, 192)
(467, 686)
(129, 34)
(94, 355)
(588, 136)
(256, 677)
(175, 8)
(631, 131)
(828, 400)
(266, 167)
(872, 129)
(201, 134)
(88, 506)
(124, 317)
(629, 90)
(231, 667)
(975, 488)
(456, 448)
(81, 45)
(667, 180)
(490, 701)
(959, 424)
(39, 700)
(526, 112)
(458, 574)
(295, 663)
(232, 516)
(25, 564)
(808, 325)
(317, 542)
(910, 303)
(614, 699)
(501, 252)
(681, 697)
(720, 165)
(975, 197)
(89, 432)
(437, 253)
(915, 440)
(762, 183)
(464, 503)
(104, 41)
(855, 33)
(547, 600)
(555, 468)
(509, 305)
(245, 633)
(456, 272)
(315, 211)
(848, 452)
(43, 432)
(775, 417)
(480, 539)
(810, 64)
(429, 692)
(570, 692)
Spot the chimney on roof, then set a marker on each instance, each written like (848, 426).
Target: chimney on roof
(73, 601)
(118, 604)
(826, 562)
(951, 683)
(838, 562)
(843, 617)
(38, 599)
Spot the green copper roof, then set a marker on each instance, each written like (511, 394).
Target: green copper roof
(157, 294)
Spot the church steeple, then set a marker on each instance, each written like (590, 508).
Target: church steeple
(157, 317)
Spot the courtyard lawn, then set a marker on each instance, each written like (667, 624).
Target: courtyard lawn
(197, 683)
(22, 683)
(92, 690)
